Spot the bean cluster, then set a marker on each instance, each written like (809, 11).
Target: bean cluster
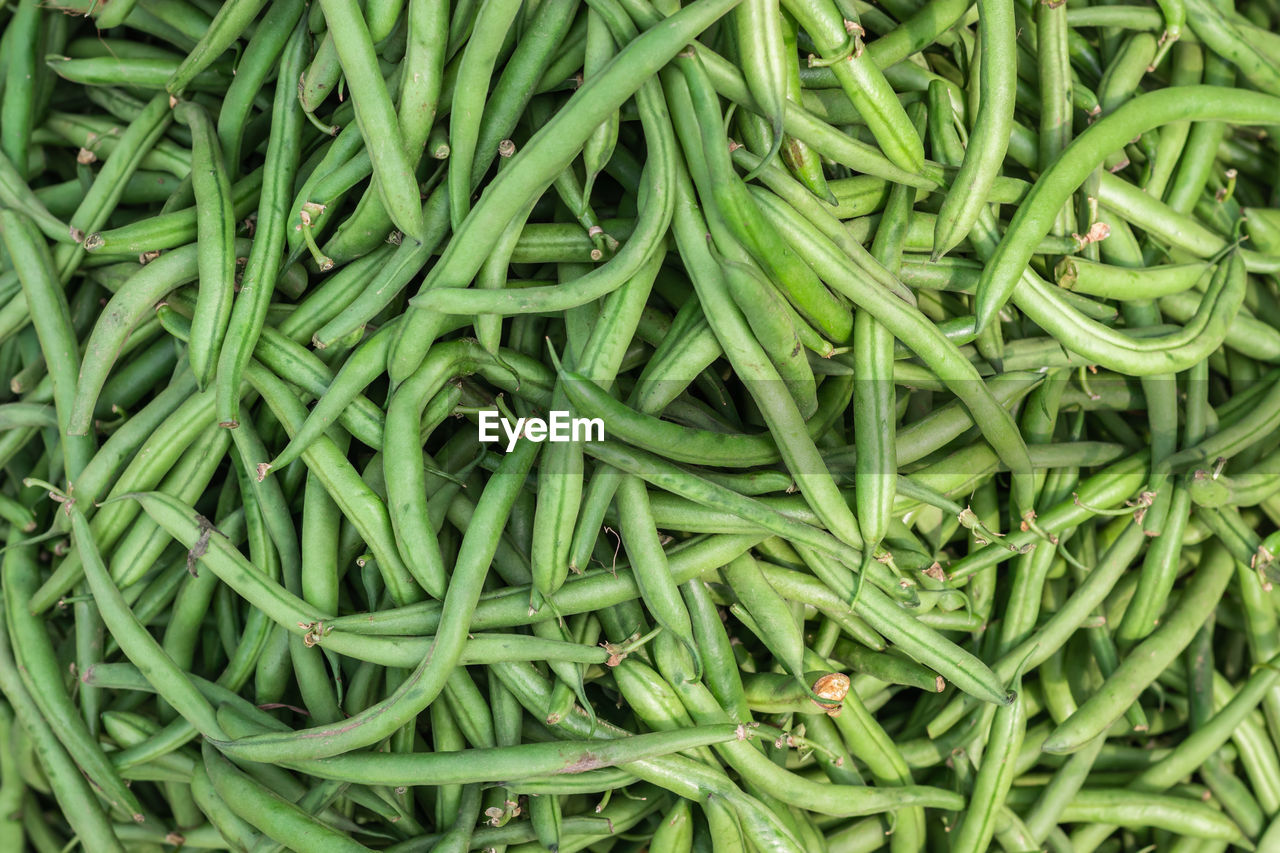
(936, 348)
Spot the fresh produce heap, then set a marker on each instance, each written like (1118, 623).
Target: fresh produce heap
(936, 352)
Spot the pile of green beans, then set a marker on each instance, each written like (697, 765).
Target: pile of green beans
(929, 358)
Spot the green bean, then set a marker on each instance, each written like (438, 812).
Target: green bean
(1231, 439)
(227, 26)
(995, 776)
(685, 444)
(989, 136)
(546, 34)
(874, 429)
(15, 193)
(675, 833)
(1148, 658)
(739, 214)
(1055, 631)
(914, 638)
(576, 596)
(1182, 231)
(17, 108)
(475, 69)
(656, 205)
(863, 82)
(930, 345)
(143, 544)
(142, 73)
(1176, 351)
(358, 501)
(216, 261)
(35, 655)
(783, 333)
(759, 35)
(1159, 571)
(51, 317)
(397, 187)
(639, 536)
(1143, 113)
(174, 229)
(424, 72)
(1219, 34)
(134, 640)
(511, 763)
(248, 312)
(800, 159)
(777, 407)
(763, 773)
(805, 126)
(1081, 275)
(408, 259)
(321, 76)
(64, 777)
(259, 57)
(918, 31)
(425, 683)
(402, 464)
(1135, 810)
(104, 139)
(263, 808)
(599, 147)
(125, 309)
(886, 667)
(774, 622)
(549, 150)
